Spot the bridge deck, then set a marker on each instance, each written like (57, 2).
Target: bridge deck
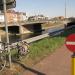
(24, 23)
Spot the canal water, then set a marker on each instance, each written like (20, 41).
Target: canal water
(15, 38)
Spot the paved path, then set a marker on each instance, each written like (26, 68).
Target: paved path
(58, 63)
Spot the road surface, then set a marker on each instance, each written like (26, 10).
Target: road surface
(57, 63)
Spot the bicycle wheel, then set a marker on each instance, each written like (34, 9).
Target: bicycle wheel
(2, 61)
(23, 50)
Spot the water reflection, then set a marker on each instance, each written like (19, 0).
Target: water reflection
(14, 38)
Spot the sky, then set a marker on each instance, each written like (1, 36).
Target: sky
(50, 8)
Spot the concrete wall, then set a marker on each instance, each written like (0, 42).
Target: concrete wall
(34, 28)
(26, 29)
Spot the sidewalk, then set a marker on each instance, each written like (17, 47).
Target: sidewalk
(58, 63)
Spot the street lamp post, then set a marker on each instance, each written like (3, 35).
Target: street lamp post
(6, 27)
(65, 8)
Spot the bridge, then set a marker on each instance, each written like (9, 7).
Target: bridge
(27, 26)
(25, 23)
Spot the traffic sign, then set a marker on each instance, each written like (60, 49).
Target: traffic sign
(70, 42)
(9, 4)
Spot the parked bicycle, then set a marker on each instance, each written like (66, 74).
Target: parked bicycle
(3, 53)
(22, 48)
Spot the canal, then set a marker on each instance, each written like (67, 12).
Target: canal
(15, 38)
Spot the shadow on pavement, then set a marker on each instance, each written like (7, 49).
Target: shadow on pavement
(28, 68)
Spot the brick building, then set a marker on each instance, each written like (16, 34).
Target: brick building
(10, 16)
(21, 16)
(13, 16)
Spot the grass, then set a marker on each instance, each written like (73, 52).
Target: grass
(43, 47)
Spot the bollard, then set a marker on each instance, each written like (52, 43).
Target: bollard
(73, 64)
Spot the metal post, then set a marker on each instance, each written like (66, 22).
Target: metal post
(65, 8)
(6, 27)
(73, 64)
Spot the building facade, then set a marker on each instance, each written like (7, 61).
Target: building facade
(13, 16)
(1, 18)
(37, 17)
(21, 16)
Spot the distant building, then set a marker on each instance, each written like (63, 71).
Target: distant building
(10, 16)
(1, 18)
(61, 17)
(56, 19)
(13, 16)
(24, 17)
(21, 16)
(32, 18)
(38, 17)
